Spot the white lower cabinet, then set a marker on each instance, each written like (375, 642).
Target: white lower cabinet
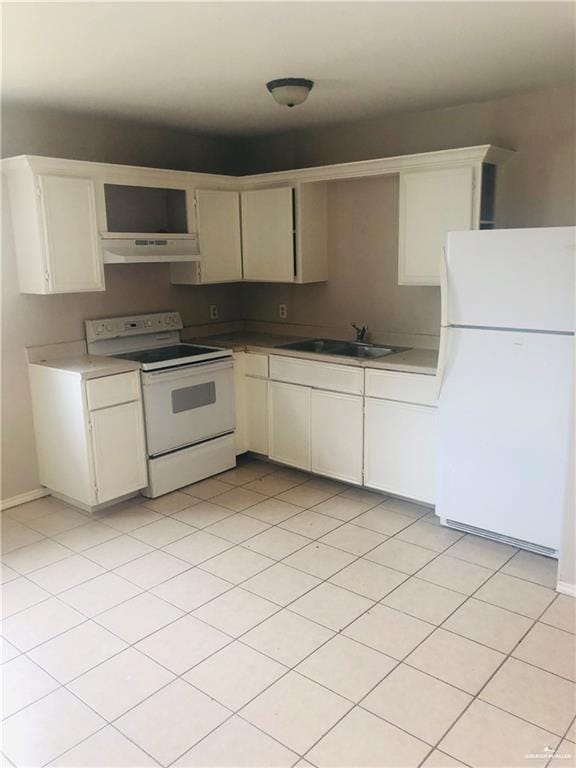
(289, 424)
(251, 402)
(89, 435)
(119, 450)
(400, 448)
(336, 435)
(374, 439)
(256, 414)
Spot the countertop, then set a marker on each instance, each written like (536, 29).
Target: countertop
(417, 360)
(90, 366)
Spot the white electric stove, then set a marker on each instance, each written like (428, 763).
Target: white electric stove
(188, 394)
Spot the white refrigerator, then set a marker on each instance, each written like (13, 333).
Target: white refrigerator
(506, 384)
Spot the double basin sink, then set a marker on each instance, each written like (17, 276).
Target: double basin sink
(357, 349)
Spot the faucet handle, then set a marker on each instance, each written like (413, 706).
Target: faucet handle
(360, 332)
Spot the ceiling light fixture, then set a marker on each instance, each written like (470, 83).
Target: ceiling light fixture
(290, 91)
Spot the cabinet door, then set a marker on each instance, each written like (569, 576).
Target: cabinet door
(289, 424)
(256, 414)
(268, 234)
(337, 435)
(218, 219)
(119, 450)
(400, 448)
(73, 256)
(219, 233)
(432, 203)
(240, 436)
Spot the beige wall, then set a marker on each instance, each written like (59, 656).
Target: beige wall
(34, 320)
(536, 188)
(34, 131)
(363, 271)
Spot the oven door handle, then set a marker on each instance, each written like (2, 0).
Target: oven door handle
(185, 372)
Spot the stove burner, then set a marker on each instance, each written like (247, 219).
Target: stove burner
(166, 354)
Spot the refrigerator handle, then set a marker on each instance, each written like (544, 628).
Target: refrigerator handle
(442, 360)
(443, 349)
(444, 288)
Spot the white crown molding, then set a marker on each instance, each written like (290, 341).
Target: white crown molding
(483, 153)
(126, 174)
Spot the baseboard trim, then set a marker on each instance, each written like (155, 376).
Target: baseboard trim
(566, 589)
(22, 498)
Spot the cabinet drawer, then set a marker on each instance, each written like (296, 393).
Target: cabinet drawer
(336, 378)
(256, 365)
(405, 387)
(112, 390)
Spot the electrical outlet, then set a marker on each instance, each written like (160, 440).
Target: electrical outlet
(282, 311)
(213, 311)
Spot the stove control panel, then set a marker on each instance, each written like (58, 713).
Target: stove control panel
(132, 325)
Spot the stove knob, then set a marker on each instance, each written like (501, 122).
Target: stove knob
(109, 327)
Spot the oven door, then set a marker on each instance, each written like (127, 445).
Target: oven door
(187, 405)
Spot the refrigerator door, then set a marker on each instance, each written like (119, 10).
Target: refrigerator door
(511, 278)
(504, 433)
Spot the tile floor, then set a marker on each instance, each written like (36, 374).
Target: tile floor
(270, 618)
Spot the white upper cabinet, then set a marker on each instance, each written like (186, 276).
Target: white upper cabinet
(268, 234)
(218, 219)
(432, 203)
(270, 228)
(55, 232)
(72, 247)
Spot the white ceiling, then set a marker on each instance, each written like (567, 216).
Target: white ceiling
(204, 65)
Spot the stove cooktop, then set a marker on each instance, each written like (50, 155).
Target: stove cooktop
(174, 355)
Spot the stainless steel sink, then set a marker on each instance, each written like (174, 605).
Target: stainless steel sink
(357, 349)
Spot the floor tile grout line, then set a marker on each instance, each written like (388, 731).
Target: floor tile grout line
(384, 498)
(58, 595)
(146, 590)
(89, 520)
(353, 703)
(314, 650)
(111, 723)
(113, 570)
(494, 673)
(563, 738)
(383, 598)
(240, 583)
(404, 660)
(187, 613)
(322, 581)
(209, 625)
(87, 738)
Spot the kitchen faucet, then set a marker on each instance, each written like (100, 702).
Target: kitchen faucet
(360, 332)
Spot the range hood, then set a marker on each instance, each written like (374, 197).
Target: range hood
(146, 248)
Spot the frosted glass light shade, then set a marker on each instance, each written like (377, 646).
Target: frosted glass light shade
(290, 91)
